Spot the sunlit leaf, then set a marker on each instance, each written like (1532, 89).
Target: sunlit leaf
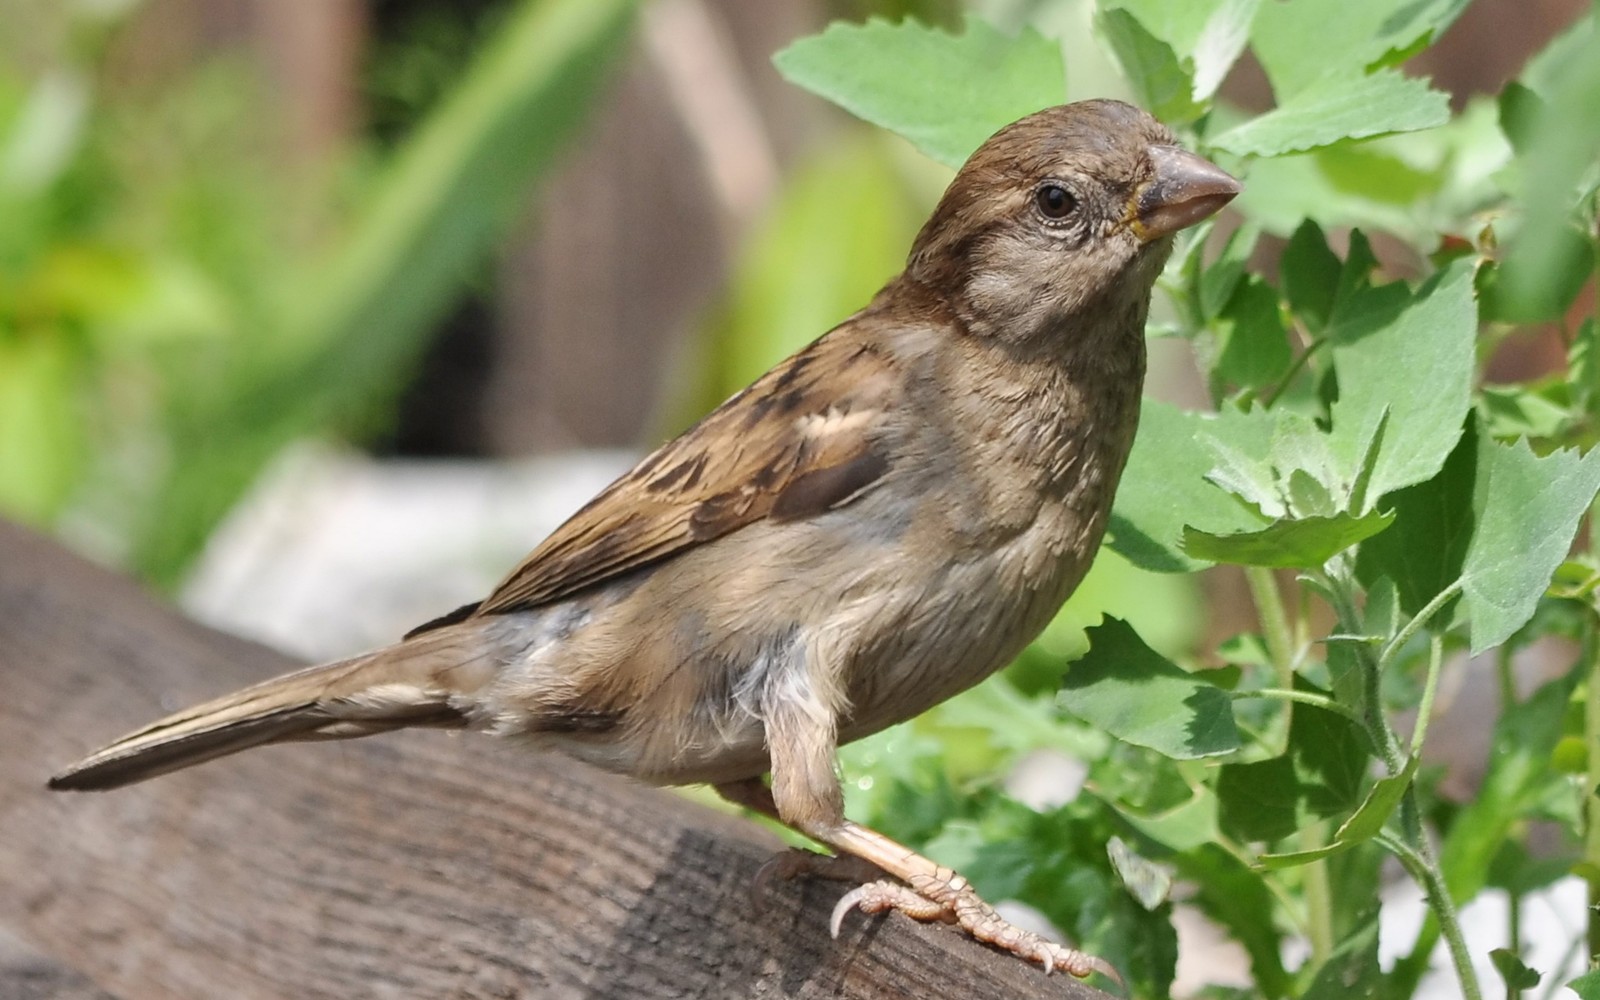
(1137, 695)
(946, 93)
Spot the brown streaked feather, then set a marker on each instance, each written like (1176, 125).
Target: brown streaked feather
(795, 444)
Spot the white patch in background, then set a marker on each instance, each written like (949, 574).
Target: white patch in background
(333, 552)
(1552, 922)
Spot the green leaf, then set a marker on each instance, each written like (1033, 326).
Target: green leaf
(1218, 282)
(1517, 975)
(1567, 261)
(1513, 411)
(1363, 824)
(1583, 365)
(1425, 548)
(1339, 108)
(1141, 697)
(1206, 36)
(1415, 364)
(1288, 543)
(1302, 43)
(1563, 145)
(1164, 486)
(360, 315)
(1414, 185)
(1160, 81)
(1318, 776)
(1184, 827)
(836, 233)
(1587, 986)
(43, 443)
(946, 93)
(1525, 510)
(1352, 969)
(1253, 343)
(1519, 108)
(1310, 275)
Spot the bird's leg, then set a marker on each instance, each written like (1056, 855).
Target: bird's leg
(793, 862)
(806, 797)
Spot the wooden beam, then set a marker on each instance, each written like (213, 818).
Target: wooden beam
(410, 865)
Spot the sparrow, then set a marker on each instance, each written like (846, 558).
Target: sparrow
(879, 522)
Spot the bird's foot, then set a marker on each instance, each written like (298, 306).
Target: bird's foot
(949, 898)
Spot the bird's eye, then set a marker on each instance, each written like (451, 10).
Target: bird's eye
(1055, 202)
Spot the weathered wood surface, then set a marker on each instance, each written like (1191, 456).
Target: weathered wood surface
(411, 865)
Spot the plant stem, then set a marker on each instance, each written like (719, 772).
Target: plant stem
(1424, 868)
(1591, 804)
(1414, 849)
(1341, 593)
(1274, 622)
(1430, 688)
(1318, 895)
(1417, 622)
(1305, 698)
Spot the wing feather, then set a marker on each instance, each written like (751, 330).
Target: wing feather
(804, 439)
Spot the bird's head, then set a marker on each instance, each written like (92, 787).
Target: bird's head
(1063, 216)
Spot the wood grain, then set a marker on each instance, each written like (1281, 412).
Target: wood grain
(412, 865)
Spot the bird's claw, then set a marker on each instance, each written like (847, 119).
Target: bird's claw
(952, 900)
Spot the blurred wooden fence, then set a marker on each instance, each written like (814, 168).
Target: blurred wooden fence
(413, 865)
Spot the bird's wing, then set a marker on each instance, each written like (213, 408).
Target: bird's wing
(800, 441)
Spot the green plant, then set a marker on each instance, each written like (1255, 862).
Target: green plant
(166, 323)
(1391, 510)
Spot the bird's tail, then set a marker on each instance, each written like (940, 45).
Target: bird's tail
(400, 686)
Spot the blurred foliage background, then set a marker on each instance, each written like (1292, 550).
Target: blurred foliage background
(486, 228)
(501, 228)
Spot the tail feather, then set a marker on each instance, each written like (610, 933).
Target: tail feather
(356, 697)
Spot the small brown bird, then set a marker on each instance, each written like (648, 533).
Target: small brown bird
(878, 523)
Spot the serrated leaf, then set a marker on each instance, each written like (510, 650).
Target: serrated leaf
(1289, 543)
(1306, 41)
(1525, 510)
(1141, 697)
(1164, 486)
(1318, 776)
(1339, 108)
(1423, 551)
(1416, 363)
(945, 93)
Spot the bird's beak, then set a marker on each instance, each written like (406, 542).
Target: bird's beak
(1186, 189)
